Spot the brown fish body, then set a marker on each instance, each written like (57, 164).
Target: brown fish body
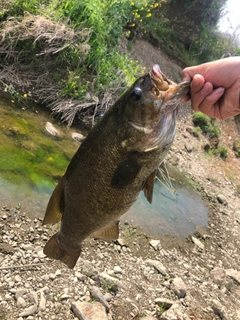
(117, 160)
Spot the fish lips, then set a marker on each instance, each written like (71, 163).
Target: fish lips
(177, 91)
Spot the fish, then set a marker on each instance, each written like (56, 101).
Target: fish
(118, 159)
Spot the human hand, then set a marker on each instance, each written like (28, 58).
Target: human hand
(215, 87)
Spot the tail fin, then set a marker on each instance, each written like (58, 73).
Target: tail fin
(55, 251)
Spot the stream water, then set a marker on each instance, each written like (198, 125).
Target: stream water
(32, 161)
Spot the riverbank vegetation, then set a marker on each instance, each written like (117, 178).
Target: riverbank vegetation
(68, 54)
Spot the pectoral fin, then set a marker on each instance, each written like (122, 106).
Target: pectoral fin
(149, 186)
(55, 205)
(108, 234)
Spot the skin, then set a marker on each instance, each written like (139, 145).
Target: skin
(215, 87)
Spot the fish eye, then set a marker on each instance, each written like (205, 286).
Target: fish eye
(137, 93)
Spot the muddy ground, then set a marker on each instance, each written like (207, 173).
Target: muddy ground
(134, 278)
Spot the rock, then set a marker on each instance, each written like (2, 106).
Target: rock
(179, 287)
(96, 294)
(89, 311)
(80, 276)
(20, 292)
(51, 129)
(221, 199)
(174, 313)
(218, 275)
(158, 266)
(188, 147)
(17, 278)
(78, 137)
(29, 311)
(219, 310)
(42, 303)
(33, 297)
(198, 243)
(117, 269)
(21, 303)
(189, 129)
(156, 244)
(234, 274)
(108, 297)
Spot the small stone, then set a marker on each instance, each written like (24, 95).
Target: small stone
(80, 276)
(221, 199)
(20, 292)
(78, 137)
(108, 297)
(29, 311)
(198, 243)
(33, 297)
(42, 303)
(89, 311)
(117, 269)
(158, 266)
(156, 244)
(41, 254)
(18, 278)
(8, 297)
(179, 287)
(21, 303)
(96, 294)
(234, 274)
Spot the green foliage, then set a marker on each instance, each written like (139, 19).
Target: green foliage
(236, 148)
(206, 124)
(106, 19)
(197, 131)
(223, 152)
(211, 45)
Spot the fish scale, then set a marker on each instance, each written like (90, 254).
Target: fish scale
(117, 160)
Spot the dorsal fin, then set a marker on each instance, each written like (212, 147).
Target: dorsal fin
(108, 234)
(55, 205)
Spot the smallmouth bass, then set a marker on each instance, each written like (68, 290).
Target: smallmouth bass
(118, 159)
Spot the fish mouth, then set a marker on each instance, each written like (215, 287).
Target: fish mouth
(165, 88)
(177, 91)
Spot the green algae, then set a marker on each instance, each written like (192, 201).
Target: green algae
(28, 153)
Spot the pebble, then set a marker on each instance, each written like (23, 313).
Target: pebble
(117, 269)
(20, 292)
(179, 287)
(89, 311)
(29, 311)
(156, 244)
(21, 303)
(96, 294)
(198, 243)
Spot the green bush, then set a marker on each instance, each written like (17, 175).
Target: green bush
(206, 124)
(236, 148)
(223, 152)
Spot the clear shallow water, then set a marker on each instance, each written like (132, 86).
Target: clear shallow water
(32, 161)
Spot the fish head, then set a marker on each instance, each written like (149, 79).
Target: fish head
(151, 97)
(149, 111)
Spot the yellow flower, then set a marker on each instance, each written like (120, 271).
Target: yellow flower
(156, 4)
(25, 95)
(148, 15)
(12, 101)
(132, 3)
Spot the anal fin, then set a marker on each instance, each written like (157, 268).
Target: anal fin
(108, 234)
(55, 251)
